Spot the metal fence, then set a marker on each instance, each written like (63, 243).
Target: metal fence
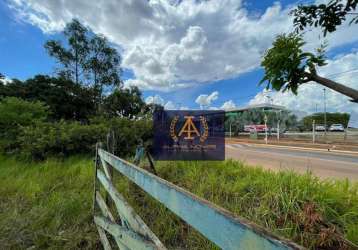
(215, 223)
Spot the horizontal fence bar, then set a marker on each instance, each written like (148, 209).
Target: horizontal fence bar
(216, 224)
(103, 237)
(124, 235)
(102, 205)
(126, 212)
(107, 213)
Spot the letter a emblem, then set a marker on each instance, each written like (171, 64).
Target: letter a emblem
(189, 128)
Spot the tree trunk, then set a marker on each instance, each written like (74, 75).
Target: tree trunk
(340, 88)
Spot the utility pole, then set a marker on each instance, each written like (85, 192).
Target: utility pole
(265, 119)
(313, 131)
(325, 112)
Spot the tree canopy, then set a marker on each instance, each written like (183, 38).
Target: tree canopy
(65, 99)
(327, 16)
(287, 66)
(86, 58)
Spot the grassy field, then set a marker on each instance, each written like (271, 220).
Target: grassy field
(48, 204)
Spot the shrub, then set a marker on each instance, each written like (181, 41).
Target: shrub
(16, 113)
(62, 138)
(45, 139)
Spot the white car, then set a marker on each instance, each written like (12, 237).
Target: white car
(336, 127)
(319, 128)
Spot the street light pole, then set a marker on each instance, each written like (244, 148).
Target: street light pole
(265, 119)
(325, 112)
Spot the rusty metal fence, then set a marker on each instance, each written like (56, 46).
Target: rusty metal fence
(130, 232)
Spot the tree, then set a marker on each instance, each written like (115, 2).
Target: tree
(86, 58)
(124, 102)
(103, 63)
(287, 67)
(332, 118)
(65, 99)
(73, 58)
(327, 16)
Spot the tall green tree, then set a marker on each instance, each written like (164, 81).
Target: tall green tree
(87, 58)
(287, 67)
(327, 16)
(75, 56)
(103, 63)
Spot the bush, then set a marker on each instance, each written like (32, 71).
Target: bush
(62, 138)
(68, 138)
(16, 113)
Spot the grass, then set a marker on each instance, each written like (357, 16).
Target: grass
(48, 205)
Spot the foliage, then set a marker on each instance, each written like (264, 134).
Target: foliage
(124, 102)
(287, 66)
(332, 118)
(15, 114)
(327, 16)
(86, 57)
(63, 138)
(65, 99)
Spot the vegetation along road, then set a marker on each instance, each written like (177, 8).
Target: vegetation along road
(322, 163)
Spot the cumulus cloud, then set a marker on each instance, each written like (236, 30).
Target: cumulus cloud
(206, 100)
(5, 80)
(156, 99)
(170, 106)
(228, 105)
(174, 44)
(310, 96)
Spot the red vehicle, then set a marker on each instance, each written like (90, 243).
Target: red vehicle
(255, 127)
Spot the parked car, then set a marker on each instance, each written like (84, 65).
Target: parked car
(255, 127)
(336, 127)
(320, 128)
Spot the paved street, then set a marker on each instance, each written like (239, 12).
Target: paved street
(322, 163)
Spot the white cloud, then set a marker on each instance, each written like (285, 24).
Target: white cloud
(170, 106)
(173, 44)
(310, 95)
(156, 99)
(228, 105)
(5, 80)
(206, 100)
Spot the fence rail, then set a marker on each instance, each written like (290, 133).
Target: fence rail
(218, 225)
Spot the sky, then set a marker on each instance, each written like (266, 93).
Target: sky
(183, 54)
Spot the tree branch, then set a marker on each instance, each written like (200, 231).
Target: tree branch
(340, 88)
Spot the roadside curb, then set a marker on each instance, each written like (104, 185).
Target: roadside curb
(303, 148)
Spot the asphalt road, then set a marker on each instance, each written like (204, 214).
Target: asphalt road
(322, 163)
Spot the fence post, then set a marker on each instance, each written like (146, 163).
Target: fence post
(95, 186)
(278, 130)
(313, 132)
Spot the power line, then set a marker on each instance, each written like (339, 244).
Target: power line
(343, 72)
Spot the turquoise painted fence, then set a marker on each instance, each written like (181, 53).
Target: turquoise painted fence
(217, 224)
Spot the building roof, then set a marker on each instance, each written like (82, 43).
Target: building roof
(258, 106)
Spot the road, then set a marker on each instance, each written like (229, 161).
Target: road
(322, 163)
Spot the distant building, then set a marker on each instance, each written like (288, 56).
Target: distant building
(262, 106)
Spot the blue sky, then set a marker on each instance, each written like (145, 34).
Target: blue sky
(195, 48)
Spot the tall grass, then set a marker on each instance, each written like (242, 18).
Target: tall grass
(48, 205)
(314, 213)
